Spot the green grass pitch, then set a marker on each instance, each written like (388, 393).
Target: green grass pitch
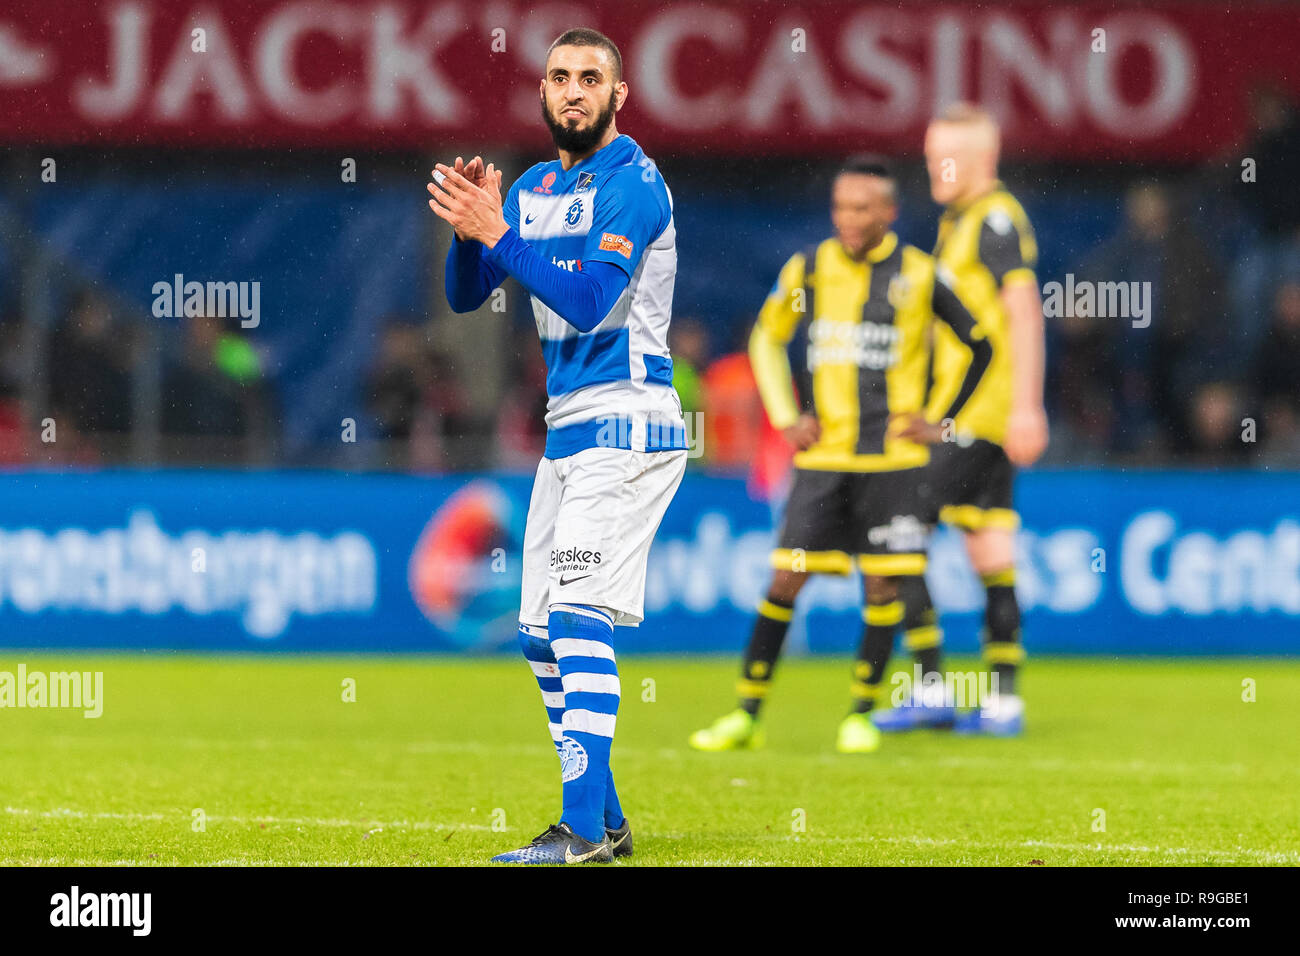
(242, 761)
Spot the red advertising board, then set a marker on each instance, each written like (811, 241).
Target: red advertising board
(1102, 82)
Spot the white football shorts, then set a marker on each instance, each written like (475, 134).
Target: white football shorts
(591, 520)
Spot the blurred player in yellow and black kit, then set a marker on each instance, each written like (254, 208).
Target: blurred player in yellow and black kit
(858, 500)
(986, 242)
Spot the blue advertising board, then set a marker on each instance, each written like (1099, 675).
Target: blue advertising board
(1164, 563)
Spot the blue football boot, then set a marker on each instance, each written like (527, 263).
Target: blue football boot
(561, 845)
(915, 714)
(928, 707)
(1002, 716)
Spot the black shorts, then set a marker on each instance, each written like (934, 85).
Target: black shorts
(835, 519)
(970, 487)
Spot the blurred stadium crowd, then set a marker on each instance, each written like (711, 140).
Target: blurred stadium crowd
(1211, 381)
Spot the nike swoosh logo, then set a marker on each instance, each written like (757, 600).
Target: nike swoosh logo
(615, 844)
(528, 219)
(570, 857)
(571, 580)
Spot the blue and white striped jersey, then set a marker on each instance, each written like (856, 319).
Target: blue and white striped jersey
(612, 386)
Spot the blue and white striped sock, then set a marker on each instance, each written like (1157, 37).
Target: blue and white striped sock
(536, 645)
(582, 642)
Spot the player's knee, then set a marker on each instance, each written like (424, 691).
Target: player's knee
(990, 549)
(880, 590)
(785, 586)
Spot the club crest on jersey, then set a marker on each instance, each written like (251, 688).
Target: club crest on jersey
(573, 218)
(584, 180)
(573, 759)
(899, 287)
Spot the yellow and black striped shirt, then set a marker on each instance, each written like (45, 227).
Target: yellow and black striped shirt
(986, 244)
(864, 334)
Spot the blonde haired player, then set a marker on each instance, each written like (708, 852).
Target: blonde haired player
(986, 243)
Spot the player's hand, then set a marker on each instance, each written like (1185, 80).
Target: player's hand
(492, 181)
(916, 428)
(488, 180)
(1026, 435)
(473, 170)
(485, 177)
(803, 433)
(475, 212)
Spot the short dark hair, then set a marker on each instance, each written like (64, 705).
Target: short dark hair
(869, 164)
(582, 36)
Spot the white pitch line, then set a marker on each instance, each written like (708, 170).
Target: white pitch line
(540, 749)
(66, 813)
(1246, 852)
(1178, 851)
(1268, 856)
(1263, 856)
(70, 861)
